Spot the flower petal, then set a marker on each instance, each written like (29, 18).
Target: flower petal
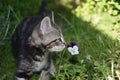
(75, 52)
(70, 49)
(75, 47)
(72, 44)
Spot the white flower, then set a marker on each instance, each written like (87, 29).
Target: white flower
(73, 50)
(118, 38)
(109, 78)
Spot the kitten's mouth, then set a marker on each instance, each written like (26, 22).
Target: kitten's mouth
(57, 48)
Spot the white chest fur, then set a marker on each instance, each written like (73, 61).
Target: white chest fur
(39, 65)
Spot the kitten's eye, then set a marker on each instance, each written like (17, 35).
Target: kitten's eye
(60, 39)
(52, 42)
(57, 40)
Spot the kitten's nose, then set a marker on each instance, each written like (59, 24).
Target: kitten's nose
(64, 43)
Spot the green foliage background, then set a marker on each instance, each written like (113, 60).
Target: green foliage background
(93, 24)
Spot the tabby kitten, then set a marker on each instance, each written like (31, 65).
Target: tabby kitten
(32, 41)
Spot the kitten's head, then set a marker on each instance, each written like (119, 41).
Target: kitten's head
(47, 33)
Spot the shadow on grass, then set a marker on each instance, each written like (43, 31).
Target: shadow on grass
(98, 52)
(95, 48)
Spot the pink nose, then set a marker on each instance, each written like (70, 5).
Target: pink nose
(64, 42)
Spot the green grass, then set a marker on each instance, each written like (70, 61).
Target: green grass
(99, 55)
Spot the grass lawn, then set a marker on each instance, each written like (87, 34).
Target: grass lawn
(99, 44)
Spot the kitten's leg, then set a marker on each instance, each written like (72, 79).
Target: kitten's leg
(45, 74)
(52, 69)
(23, 71)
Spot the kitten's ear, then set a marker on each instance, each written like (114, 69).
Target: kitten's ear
(45, 26)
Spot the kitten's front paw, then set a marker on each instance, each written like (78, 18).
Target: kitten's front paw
(52, 70)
